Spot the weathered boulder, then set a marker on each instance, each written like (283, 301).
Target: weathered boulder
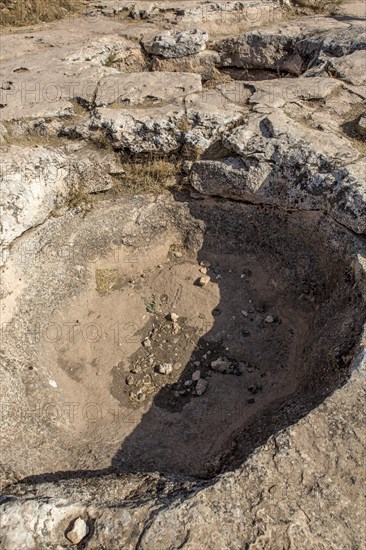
(281, 162)
(260, 50)
(47, 94)
(278, 92)
(33, 182)
(150, 130)
(209, 115)
(350, 68)
(202, 63)
(293, 48)
(145, 89)
(165, 128)
(171, 44)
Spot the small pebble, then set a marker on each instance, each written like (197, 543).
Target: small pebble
(203, 281)
(78, 532)
(269, 319)
(203, 270)
(146, 343)
(141, 397)
(220, 365)
(201, 386)
(204, 263)
(176, 328)
(135, 369)
(196, 375)
(177, 254)
(173, 317)
(165, 368)
(130, 380)
(177, 366)
(245, 313)
(188, 382)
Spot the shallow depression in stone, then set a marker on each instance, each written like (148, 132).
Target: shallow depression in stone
(128, 387)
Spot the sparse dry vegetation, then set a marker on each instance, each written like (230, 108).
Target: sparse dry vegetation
(105, 279)
(79, 199)
(151, 176)
(25, 12)
(318, 5)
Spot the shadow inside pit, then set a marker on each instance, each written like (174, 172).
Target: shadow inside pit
(265, 263)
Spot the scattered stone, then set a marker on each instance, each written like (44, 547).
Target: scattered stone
(218, 362)
(221, 365)
(269, 319)
(188, 382)
(138, 397)
(203, 270)
(204, 263)
(130, 380)
(245, 313)
(165, 368)
(201, 386)
(141, 397)
(203, 281)
(176, 328)
(196, 375)
(146, 343)
(135, 369)
(178, 254)
(78, 531)
(173, 317)
(255, 389)
(361, 126)
(177, 366)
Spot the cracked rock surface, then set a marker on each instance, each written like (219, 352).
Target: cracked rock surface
(183, 286)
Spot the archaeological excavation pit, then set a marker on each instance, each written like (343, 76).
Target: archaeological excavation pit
(182, 266)
(176, 338)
